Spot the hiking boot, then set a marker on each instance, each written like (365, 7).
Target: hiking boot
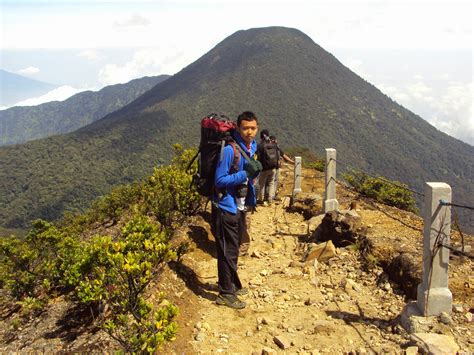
(230, 300)
(242, 292)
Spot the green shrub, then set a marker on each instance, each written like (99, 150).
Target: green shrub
(168, 192)
(111, 206)
(309, 158)
(392, 193)
(120, 273)
(44, 260)
(319, 165)
(113, 272)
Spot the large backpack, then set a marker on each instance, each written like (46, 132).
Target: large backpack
(268, 155)
(216, 133)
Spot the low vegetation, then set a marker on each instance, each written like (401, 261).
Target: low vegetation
(392, 193)
(109, 273)
(309, 158)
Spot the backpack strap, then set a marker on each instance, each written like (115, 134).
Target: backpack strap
(238, 152)
(243, 152)
(237, 156)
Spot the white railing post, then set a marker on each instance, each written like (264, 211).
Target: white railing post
(434, 296)
(297, 177)
(330, 201)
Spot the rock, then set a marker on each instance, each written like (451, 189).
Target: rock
(406, 271)
(249, 333)
(267, 351)
(468, 317)
(205, 326)
(411, 350)
(308, 204)
(199, 336)
(341, 227)
(349, 285)
(322, 252)
(281, 341)
(445, 318)
(257, 254)
(314, 223)
(458, 308)
(309, 302)
(435, 343)
(323, 327)
(256, 281)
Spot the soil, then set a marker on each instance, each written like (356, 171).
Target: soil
(293, 306)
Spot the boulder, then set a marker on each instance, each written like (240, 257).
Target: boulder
(341, 227)
(431, 343)
(406, 270)
(321, 252)
(308, 204)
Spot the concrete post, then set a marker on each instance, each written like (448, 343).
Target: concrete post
(297, 178)
(434, 296)
(330, 201)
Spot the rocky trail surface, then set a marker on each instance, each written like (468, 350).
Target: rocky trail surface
(336, 305)
(341, 303)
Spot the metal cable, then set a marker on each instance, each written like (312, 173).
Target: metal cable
(446, 203)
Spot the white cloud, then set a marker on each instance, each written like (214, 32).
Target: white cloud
(90, 54)
(59, 94)
(356, 65)
(134, 20)
(451, 111)
(145, 62)
(29, 71)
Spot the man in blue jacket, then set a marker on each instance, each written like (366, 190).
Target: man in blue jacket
(234, 181)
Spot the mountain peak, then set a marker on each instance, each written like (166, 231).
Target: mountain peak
(300, 92)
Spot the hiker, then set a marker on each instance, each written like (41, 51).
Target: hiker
(281, 155)
(268, 155)
(236, 193)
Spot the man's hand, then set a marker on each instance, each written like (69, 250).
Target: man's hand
(252, 168)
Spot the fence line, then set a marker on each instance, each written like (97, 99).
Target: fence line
(444, 203)
(433, 295)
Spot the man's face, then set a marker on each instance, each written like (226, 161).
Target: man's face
(248, 130)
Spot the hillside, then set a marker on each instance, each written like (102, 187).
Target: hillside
(305, 304)
(21, 124)
(15, 88)
(300, 92)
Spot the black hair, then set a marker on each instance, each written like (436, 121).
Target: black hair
(246, 116)
(264, 134)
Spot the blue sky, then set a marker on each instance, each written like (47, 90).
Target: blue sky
(417, 52)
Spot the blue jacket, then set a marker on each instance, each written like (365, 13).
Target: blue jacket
(227, 181)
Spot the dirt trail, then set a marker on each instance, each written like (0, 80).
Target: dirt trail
(332, 307)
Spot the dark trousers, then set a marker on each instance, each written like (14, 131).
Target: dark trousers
(225, 227)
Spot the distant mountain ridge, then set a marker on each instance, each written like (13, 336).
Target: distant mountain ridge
(21, 124)
(15, 88)
(302, 93)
